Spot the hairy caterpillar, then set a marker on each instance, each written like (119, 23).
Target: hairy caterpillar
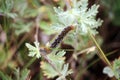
(61, 36)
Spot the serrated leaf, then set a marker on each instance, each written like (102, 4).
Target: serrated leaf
(57, 58)
(29, 46)
(33, 51)
(48, 70)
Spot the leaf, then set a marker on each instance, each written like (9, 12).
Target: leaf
(116, 68)
(64, 72)
(107, 70)
(33, 51)
(115, 71)
(57, 60)
(48, 70)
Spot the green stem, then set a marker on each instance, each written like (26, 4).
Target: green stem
(101, 54)
(91, 64)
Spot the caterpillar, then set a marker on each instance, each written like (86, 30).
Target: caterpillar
(61, 36)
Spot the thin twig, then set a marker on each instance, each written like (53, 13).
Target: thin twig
(87, 50)
(101, 54)
(37, 26)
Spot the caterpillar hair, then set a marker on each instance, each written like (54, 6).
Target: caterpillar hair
(61, 36)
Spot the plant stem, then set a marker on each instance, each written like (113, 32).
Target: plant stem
(38, 18)
(95, 61)
(101, 54)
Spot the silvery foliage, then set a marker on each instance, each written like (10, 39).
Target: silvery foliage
(114, 71)
(78, 15)
(107, 70)
(58, 59)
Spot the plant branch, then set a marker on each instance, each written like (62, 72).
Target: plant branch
(87, 50)
(37, 26)
(101, 54)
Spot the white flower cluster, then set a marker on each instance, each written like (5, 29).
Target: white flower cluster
(78, 15)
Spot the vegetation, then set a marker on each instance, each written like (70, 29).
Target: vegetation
(58, 40)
